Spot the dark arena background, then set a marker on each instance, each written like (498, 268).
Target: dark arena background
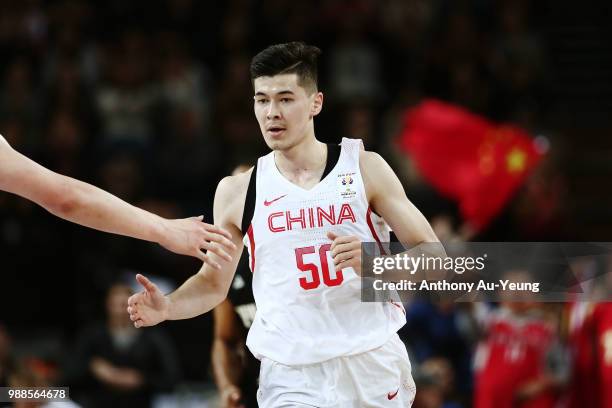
(152, 101)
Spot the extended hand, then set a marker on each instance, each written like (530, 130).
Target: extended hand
(189, 236)
(346, 251)
(148, 307)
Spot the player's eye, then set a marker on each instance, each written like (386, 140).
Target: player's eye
(260, 101)
(285, 100)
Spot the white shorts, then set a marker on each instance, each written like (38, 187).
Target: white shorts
(377, 378)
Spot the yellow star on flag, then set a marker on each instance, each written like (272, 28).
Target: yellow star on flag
(516, 160)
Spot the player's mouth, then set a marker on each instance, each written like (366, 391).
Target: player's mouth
(275, 131)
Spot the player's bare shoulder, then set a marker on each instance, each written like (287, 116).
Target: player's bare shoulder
(372, 167)
(369, 160)
(230, 197)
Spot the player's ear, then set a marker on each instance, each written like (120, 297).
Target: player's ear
(317, 104)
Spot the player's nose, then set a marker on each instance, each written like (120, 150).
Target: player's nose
(273, 111)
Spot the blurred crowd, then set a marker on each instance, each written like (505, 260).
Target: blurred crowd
(154, 104)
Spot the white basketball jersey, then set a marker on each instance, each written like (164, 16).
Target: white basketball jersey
(306, 311)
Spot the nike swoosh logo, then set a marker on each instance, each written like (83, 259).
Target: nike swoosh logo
(267, 203)
(390, 396)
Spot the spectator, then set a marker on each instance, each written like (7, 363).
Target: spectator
(115, 365)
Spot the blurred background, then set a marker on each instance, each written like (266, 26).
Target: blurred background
(153, 102)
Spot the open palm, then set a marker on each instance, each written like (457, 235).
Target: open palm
(149, 307)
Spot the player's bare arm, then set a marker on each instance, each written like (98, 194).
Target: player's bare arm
(84, 204)
(388, 199)
(207, 288)
(226, 362)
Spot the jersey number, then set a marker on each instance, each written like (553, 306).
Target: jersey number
(315, 280)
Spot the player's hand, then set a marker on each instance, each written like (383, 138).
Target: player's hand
(148, 307)
(190, 236)
(346, 251)
(231, 397)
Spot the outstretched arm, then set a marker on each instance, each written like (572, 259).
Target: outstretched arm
(84, 204)
(207, 288)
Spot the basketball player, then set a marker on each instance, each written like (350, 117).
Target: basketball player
(304, 209)
(84, 204)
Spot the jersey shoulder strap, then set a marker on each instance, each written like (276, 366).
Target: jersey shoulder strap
(249, 201)
(333, 155)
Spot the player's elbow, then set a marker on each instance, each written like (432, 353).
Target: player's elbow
(437, 249)
(61, 200)
(218, 286)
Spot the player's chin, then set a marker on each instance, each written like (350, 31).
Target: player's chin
(276, 143)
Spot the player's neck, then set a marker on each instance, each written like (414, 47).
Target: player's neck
(306, 158)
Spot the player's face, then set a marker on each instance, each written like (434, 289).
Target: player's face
(284, 110)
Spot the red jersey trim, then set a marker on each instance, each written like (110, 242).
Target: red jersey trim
(373, 231)
(252, 246)
(399, 306)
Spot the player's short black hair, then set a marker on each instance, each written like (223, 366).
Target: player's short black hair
(289, 58)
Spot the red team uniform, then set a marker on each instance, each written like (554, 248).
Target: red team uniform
(590, 339)
(512, 355)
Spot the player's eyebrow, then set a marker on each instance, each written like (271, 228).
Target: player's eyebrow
(283, 92)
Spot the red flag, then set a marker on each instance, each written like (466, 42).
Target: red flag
(468, 159)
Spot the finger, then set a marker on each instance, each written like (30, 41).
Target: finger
(332, 235)
(146, 283)
(206, 259)
(216, 249)
(133, 310)
(346, 239)
(200, 255)
(348, 263)
(337, 239)
(345, 256)
(134, 317)
(221, 239)
(134, 299)
(350, 246)
(138, 323)
(217, 230)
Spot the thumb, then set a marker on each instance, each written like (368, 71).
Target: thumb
(146, 283)
(332, 235)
